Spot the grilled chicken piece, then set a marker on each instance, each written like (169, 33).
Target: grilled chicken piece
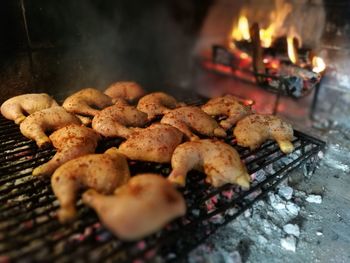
(190, 118)
(228, 106)
(37, 124)
(218, 160)
(254, 130)
(102, 172)
(127, 90)
(157, 103)
(71, 142)
(141, 207)
(17, 108)
(156, 143)
(87, 102)
(114, 121)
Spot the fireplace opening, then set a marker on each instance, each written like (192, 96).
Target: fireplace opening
(288, 58)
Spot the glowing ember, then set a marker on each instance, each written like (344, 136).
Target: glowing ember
(244, 55)
(241, 32)
(318, 64)
(248, 102)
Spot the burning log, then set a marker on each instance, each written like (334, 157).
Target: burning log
(257, 52)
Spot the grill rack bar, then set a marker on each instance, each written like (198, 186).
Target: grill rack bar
(95, 243)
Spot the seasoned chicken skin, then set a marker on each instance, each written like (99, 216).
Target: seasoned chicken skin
(114, 121)
(218, 160)
(254, 130)
(102, 172)
(127, 90)
(155, 143)
(228, 106)
(157, 103)
(17, 108)
(70, 142)
(142, 206)
(36, 125)
(191, 118)
(87, 102)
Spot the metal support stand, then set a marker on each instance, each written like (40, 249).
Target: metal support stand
(314, 101)
(276, 104)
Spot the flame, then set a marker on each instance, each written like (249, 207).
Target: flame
(266, 36)
(318, 64)
(241, 32)
(244, 55)
(291, 50)
(275, 28)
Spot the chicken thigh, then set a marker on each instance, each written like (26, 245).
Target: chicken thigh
(228, 106)
(102, 172)
(218, 160)
(17, 108)
(254, 130)
(71, 142)
(156, 143)
(142, 206)
(36, 125)
(114, 121)
(157, 103)
(190, 118)
(127, 90)
(87, 102)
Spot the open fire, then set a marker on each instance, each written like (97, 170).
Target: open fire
(241, 33)
(272, 55)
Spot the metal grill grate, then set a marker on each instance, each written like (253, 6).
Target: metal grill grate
(30, 232)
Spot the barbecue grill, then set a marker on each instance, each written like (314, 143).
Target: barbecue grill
(30, 231)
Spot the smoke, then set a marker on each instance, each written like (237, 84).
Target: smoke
(121, 40)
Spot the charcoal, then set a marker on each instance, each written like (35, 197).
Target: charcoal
(293, 86)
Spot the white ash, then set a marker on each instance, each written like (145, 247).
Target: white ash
(335, 158)
(299, 194)
(316, 199)
(259, 176)
(276, 202)
(247, 213)
(259, 228)
(286, 160)
(231, 211)
(286, 192)
(289, 243)
(292, 230)
(210, 254)
(320, 155)
(217, 219)
(269, 169)
(321, 123)
(292, 208)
